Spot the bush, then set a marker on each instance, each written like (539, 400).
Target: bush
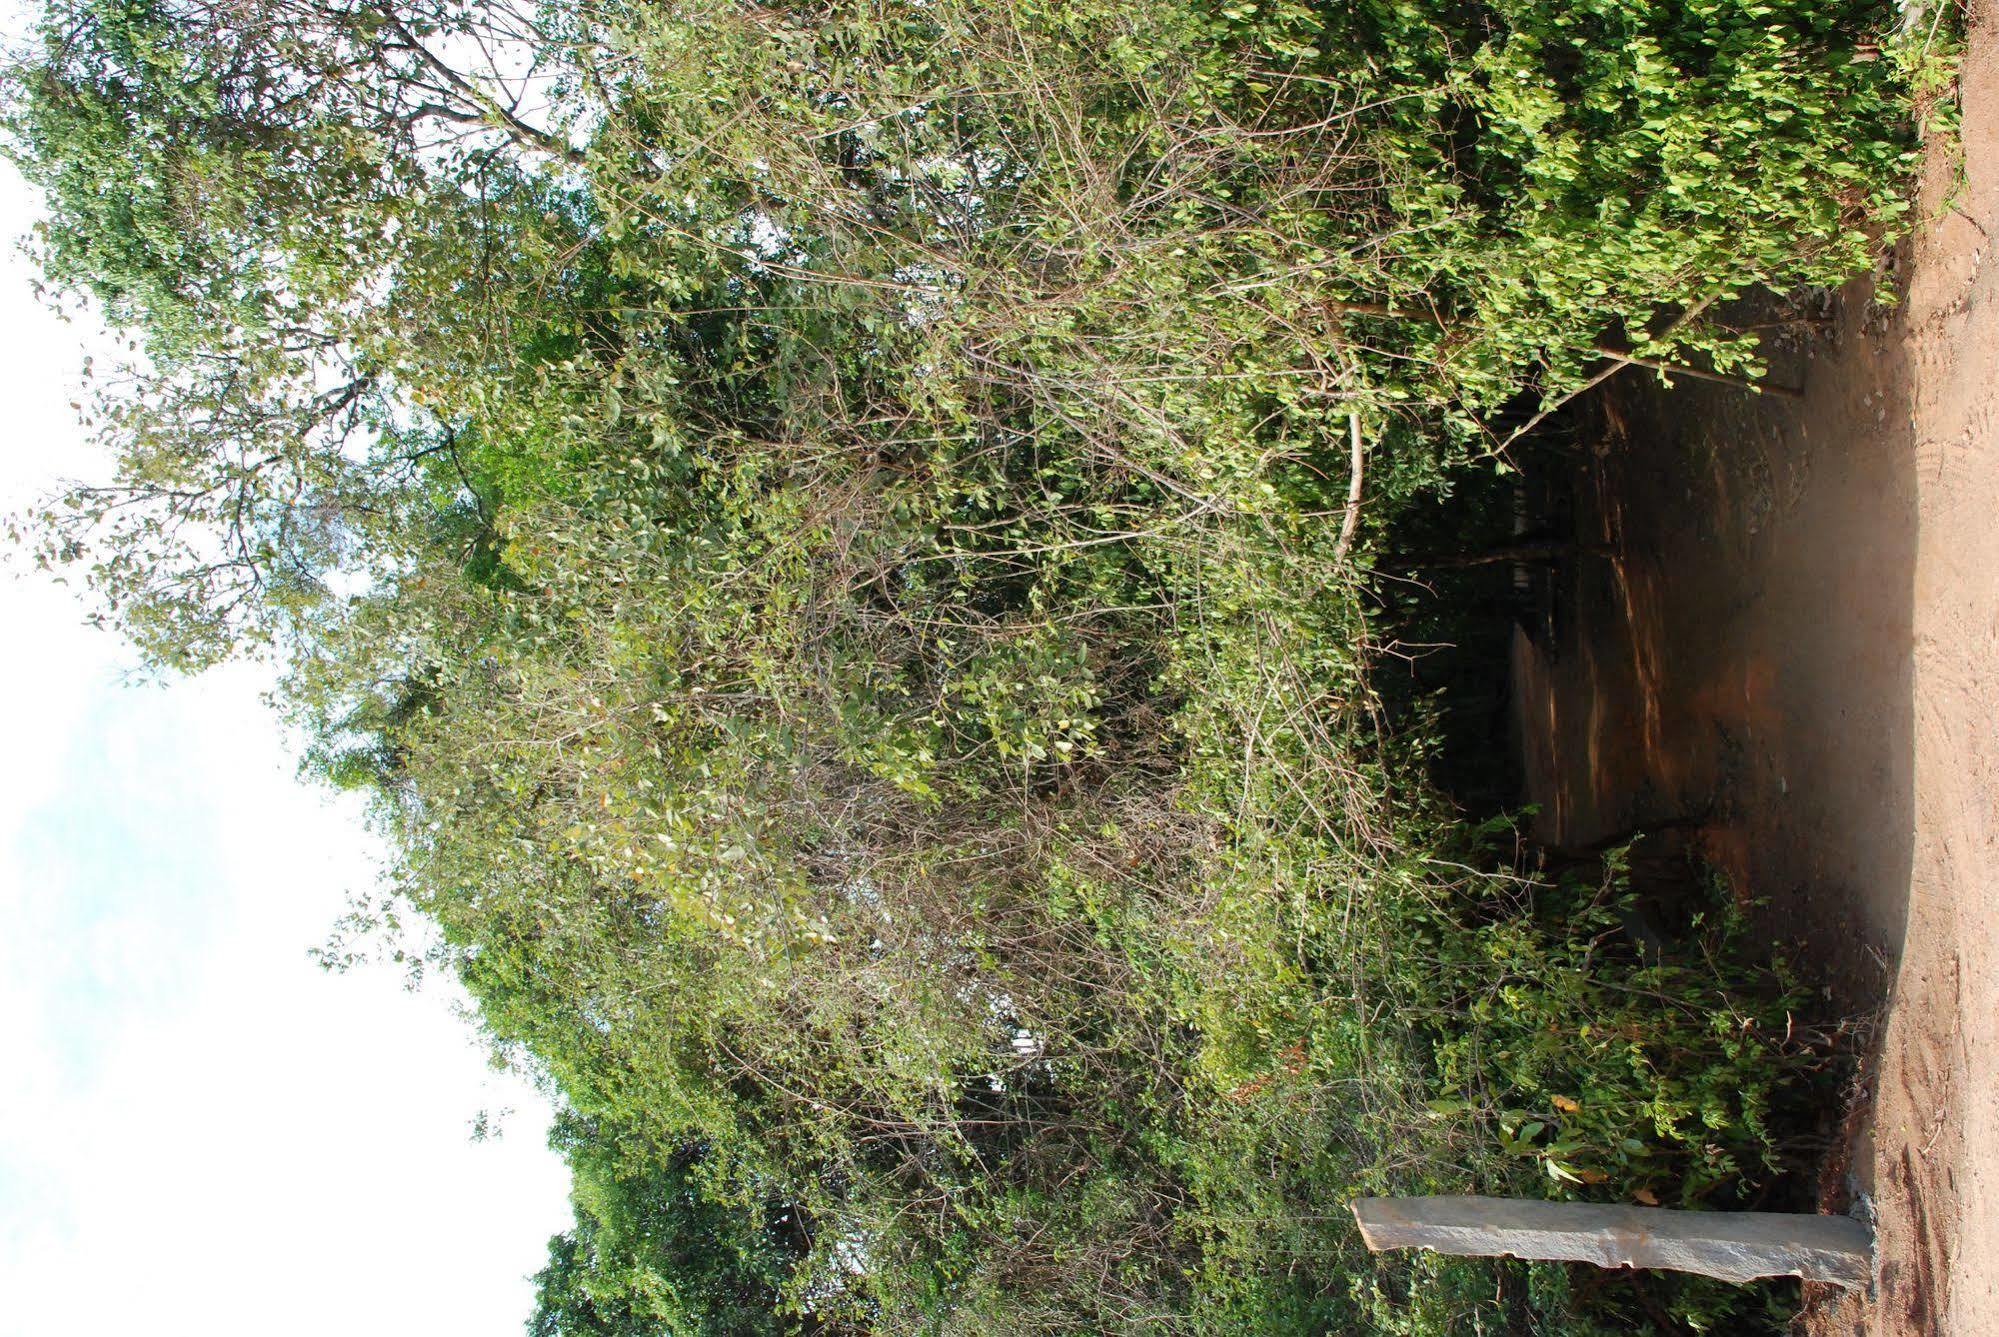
(834, 550)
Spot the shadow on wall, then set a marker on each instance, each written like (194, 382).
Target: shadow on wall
(1746, 657)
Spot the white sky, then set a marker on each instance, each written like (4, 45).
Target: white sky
(201, 1131)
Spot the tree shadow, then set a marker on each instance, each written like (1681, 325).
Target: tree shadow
(1746, 656)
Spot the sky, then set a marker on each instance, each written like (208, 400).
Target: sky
(200, 1130)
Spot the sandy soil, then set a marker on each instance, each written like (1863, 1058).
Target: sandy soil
(1799, 642)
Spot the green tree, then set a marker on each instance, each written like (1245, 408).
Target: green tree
(669, 1247)
(827, 533)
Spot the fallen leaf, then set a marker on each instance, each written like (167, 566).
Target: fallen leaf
(1646, 1196)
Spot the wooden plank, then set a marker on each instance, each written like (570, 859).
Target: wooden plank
(1734, 1246)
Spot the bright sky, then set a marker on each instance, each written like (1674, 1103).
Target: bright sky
(201, 1131)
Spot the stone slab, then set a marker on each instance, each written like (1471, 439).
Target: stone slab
(1734, 1246)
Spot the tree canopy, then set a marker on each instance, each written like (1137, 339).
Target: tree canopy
(832, 535)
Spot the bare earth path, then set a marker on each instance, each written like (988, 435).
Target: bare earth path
(1801, 639)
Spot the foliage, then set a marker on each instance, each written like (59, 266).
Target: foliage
(825, 530)
(657, 1247)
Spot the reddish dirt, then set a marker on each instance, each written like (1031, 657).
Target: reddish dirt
(1799, 642)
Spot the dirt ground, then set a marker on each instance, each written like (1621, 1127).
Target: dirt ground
(1799, 642)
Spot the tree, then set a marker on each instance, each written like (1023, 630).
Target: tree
(828, 533)
(669, 1247)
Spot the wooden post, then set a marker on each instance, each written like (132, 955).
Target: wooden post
(1734, 1246)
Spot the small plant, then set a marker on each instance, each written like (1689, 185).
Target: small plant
(1580, 1053)
(1667, 1074)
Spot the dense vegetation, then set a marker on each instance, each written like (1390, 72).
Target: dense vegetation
(840, 538)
